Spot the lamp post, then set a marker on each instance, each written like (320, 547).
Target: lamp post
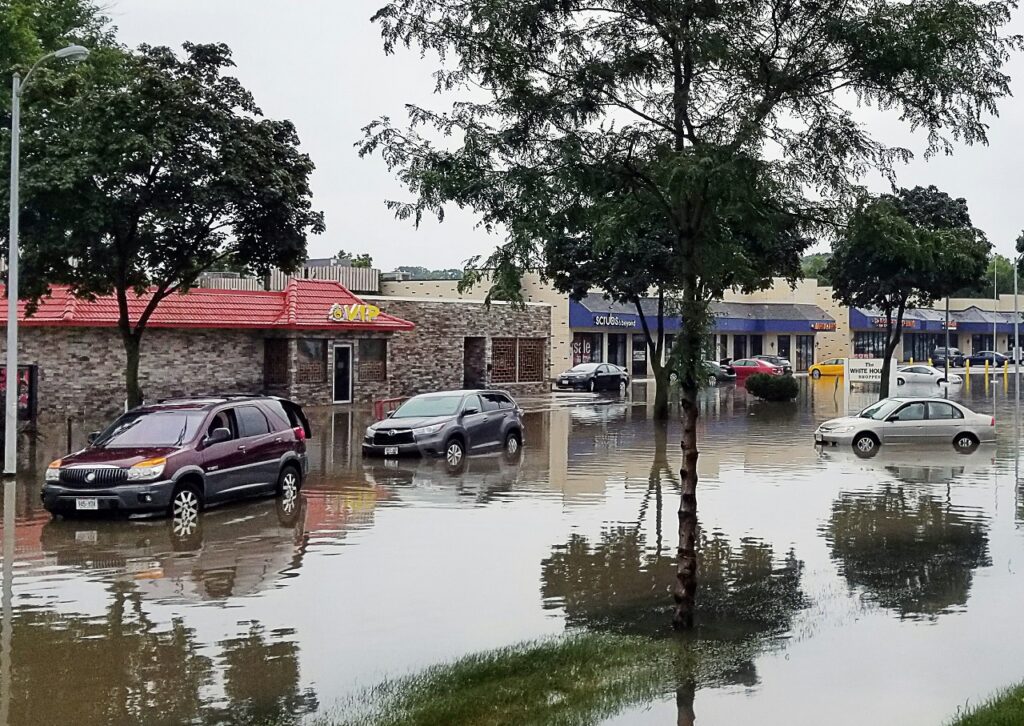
(72, 53)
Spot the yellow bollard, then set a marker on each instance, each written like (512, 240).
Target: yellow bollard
(1006, 373)
(967, 369)
(929, 362)
(911, 360)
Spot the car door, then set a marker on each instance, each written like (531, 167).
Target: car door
(943, 422)
(494, 416)
(602, 377)
(256, 442)
(221, 461)
(906, 423)
(474, 421)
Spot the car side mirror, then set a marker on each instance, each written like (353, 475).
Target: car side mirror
(93, 435)
(892, 419)
(470, 411)
(218, 436)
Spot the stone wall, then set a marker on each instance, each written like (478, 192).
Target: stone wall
(81, 370)
(432, 356)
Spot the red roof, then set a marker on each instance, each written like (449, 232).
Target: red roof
(303, 304)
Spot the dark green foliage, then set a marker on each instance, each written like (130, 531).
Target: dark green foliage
(363, 260)
(906, 250)
(422, 273)
(813, 267)
(772, 388)
(145, 169)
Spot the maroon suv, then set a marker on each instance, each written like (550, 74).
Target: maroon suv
(181, 454)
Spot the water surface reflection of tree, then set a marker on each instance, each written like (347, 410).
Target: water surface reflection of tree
(910, 551)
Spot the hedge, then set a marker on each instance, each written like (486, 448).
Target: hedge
(773, 388)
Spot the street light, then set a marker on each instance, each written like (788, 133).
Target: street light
(71, 53)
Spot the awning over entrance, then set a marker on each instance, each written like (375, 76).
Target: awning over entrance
(971, 320)
(595, 311)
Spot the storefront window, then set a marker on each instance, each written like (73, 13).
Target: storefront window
(640, 356)
(373, 361)
(921, 346)
(804, 351)
(981, 342)
(586, 348)
(869, 344)
(739, 346)
(756, 344)
(275, 362)
(312, 361)
(617, 349)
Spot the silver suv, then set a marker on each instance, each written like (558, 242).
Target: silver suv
(451, 424)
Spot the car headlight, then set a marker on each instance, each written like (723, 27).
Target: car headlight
(148, 469)
(427, 430)
(53, 471)
(842, 430)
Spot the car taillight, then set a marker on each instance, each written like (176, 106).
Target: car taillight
(300, 433)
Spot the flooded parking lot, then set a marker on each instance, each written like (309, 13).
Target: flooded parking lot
(878, 590)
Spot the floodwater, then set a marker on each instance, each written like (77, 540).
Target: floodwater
(896, 593)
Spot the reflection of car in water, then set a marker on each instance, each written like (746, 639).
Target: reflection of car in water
(924, 464)
(477, 478)
(235, 550)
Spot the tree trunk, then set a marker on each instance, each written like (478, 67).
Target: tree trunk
(132, 349)
(685, 695)
(662, 386)
(686, 574)
(892, 339)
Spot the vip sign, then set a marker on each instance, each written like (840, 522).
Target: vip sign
(356, 313)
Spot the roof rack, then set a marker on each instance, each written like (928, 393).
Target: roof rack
(211, 397)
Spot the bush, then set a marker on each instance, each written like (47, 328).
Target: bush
(773, 388)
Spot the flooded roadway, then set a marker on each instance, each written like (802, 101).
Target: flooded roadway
(893, 596)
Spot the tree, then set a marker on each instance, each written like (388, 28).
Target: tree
(149, 169)
(813, 267)
(422, 273)
(998, 273)
(902, 251)
(345, 258)
(713, 132)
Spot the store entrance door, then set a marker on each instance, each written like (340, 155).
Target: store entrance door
(343, 374)
(784, 341)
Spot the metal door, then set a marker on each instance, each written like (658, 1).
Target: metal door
(343, 374)
(474, 420)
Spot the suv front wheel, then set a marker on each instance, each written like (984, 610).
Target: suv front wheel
(186, 503)
(288, 484)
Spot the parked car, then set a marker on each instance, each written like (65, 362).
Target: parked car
(775, 360)
(908, 420)
(830, 367)
(924, 374)
(939, 356)
(989, 356)
(451, 424)
(746, 367)
(594, 377)
(716, 373)
(180, 455)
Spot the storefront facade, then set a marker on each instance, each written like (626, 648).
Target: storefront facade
(971, 330)
(603, 330)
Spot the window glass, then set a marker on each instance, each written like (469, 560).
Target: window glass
(937, 410)
(312, 361)
(223, 420)
(172, 428)
(251, 421)
(912, 412)
(492, 402)
(426, 406)
(472, 402)
(373, 360)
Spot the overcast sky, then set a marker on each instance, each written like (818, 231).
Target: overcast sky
(320, 64)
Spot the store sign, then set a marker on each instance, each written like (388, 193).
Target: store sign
(883, 322)
(28, 386)
(357, 313)
(614, 321)
(823, 326)
(950, 326)
(866, 370)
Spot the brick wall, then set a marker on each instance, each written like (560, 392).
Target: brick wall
(432, 356)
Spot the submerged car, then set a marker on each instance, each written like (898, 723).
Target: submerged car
(907, 421)
(953, 355)
(830, 367)
(451, 424)
(180, 455)
(783, 363)
(988, 356)
(924, 374)
(594, 377)
(747, 367)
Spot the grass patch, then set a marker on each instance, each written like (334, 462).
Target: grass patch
(1003, 709)
(566, 681)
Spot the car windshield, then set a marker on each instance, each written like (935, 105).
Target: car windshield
(426, 406)
(584, 368)
(151, 428)
(880, 410)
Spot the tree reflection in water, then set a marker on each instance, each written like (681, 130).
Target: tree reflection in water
(140, 672)
(910, 552)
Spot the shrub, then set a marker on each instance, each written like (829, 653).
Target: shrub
(773, 388)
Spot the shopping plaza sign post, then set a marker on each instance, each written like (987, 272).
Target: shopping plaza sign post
(866, 370)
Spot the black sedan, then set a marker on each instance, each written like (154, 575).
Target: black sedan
(594, 377)
(716, 373)
(989, 356)
(783, 363)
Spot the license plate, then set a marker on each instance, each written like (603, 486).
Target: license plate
(563, 382)
(89, 504)
(390, 451)
(391, 463)
(89, 537)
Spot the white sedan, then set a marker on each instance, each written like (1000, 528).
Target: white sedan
(924, 374)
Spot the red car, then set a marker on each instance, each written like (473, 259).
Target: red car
(746, 367)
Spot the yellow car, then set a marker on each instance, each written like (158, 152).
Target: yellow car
(831, 367)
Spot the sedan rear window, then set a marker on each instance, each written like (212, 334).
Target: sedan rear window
(426, 406)
(155, 428)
